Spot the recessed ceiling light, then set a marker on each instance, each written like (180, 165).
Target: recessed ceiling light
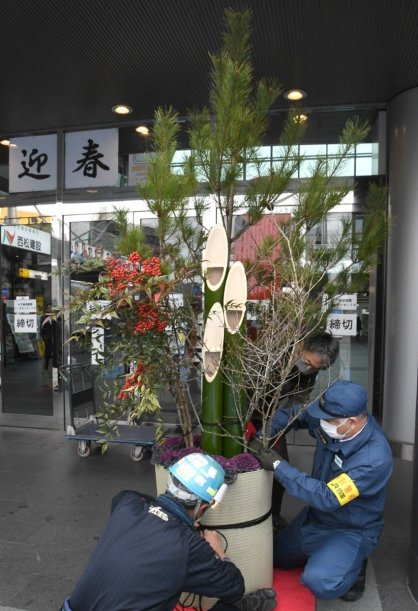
(300, 118)
(142, 129)
(121, 109)
(295, 94)
(91, 190)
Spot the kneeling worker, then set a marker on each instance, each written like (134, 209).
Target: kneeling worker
(345, 495)
(152, 550)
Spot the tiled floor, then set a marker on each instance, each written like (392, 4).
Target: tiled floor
(53, 506)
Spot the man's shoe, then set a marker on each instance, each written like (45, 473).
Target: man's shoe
(357, 589)
(260, 600)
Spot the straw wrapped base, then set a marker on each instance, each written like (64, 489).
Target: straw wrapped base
(250, 546)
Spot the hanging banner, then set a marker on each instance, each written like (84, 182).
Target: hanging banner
(33, 164)
(91, 158)
(27, 238)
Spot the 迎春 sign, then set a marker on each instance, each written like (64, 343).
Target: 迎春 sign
(33, 163)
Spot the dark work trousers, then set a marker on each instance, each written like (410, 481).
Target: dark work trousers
(278, 490)
(220, 606)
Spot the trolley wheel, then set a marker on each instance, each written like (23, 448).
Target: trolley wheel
(84, 448)
(137, 453)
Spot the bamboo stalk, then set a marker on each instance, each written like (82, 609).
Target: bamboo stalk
(212, 407)
(214, 268)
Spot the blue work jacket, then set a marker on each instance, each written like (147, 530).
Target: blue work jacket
(347, 487)
(146, 557)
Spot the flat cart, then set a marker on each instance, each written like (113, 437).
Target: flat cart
(85, 424)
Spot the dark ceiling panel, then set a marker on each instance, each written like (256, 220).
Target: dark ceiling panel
(65, 63)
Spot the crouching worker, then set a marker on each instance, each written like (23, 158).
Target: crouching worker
(152, 550)
(345, 495)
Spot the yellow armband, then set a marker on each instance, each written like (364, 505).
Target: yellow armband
(344, 488)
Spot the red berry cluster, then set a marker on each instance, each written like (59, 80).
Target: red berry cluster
(149, 317)
(133, 273)
(151, 267)
(135, 257)
(132, 382)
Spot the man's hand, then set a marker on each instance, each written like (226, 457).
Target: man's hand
(215, 541)
(267, 458)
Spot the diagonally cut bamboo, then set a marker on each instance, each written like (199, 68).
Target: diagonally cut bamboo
(215, 261)
(235, 297)
(234, 302)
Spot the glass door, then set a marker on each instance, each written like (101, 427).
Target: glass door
(31, 340)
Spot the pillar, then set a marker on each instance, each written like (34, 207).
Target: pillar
(401, 341)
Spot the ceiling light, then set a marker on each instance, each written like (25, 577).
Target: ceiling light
(122, 109)
(300, 118)
(295, 94)
(143, 130)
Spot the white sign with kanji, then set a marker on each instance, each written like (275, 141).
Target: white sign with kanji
(25, 306)
(33, 163)
(91, 158)
(25, 323)
(342, 324)
(345, 302)
(27, 238)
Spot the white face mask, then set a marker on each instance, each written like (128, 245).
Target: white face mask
(332, 429)
(304, 368)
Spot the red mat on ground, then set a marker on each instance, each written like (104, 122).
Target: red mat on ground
(291, 594)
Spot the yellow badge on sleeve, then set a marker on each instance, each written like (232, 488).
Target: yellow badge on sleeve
(344, 488)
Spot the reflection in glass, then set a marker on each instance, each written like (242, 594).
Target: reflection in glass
(30, 339)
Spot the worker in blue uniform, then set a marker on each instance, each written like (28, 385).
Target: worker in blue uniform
(318, 352)
(152, 550)
(345, 495)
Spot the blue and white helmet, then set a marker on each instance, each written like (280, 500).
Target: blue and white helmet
(201, 476)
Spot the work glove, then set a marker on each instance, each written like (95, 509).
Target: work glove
(255, 445)
(267, 458)
(260, 600)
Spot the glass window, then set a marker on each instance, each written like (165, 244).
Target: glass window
(280, 151)
(306, 168)
(313, 150)
(181, 156)
(364, 166)
(333, 149)
(262, 152)
(364, 149)
(345, 168)
(252, 170)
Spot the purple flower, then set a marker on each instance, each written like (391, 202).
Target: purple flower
(171, 449)
(241, 463)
